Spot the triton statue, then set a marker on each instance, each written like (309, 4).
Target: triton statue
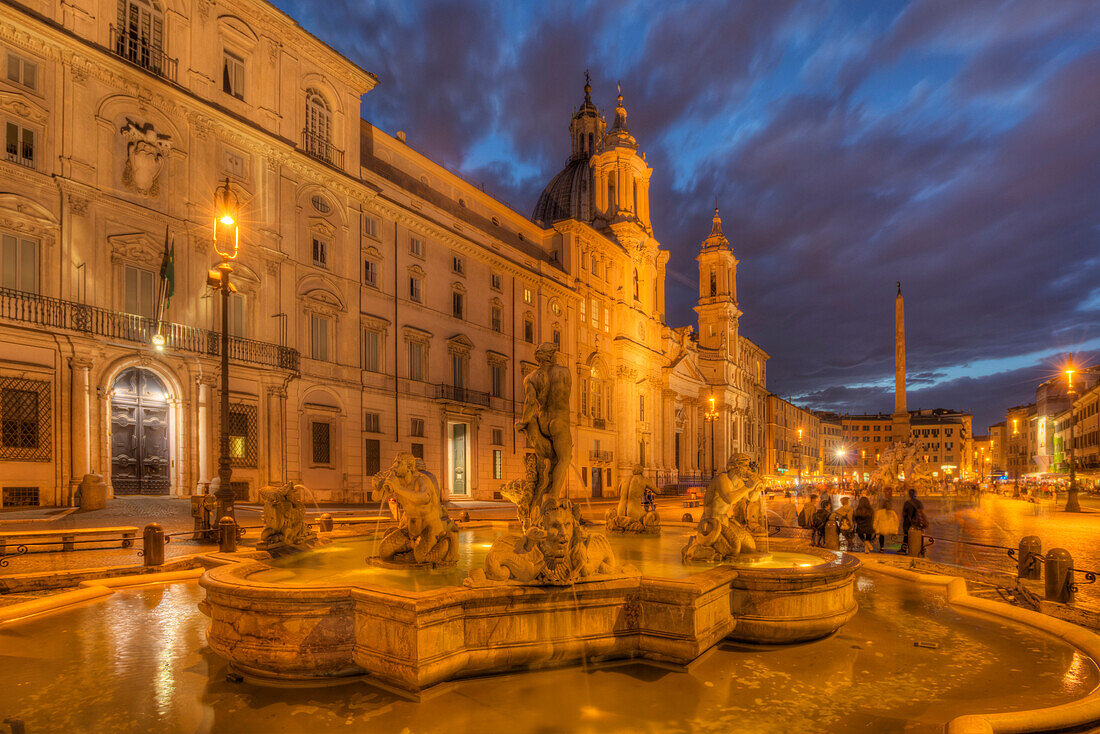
(425, 535)
(631, 515)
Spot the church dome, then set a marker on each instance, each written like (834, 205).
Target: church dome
(567, 196)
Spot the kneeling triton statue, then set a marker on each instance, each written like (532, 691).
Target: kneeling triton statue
(553, 549)
(719, 537)
(285, 529)
(425, 534)
(631, 515)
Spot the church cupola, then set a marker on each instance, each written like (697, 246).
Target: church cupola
(587, 127)
(569, 194)
(620, 175)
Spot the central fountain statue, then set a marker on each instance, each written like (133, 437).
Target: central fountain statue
(425, 534)
(719, 537)
(553, 549)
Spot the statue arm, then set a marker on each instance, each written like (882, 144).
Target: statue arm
(530, 404)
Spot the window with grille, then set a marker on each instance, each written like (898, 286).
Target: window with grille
(22, 71)
(372, 351)
(555, 336)
(370, 227)
(20, 146)
(243, 446)
(322, 447)
(494, 281)
(233, 75)
(372, 456)
(320, 252)
(416, 361)
(318, 119)
(497, 437)
(370, 273)
(372, 423)
(498, 463)
(19, 497)
(24, 419)
(458, 265)
(417, 428)
(458, 305)
(19, 263)
(529, 331)
(319, 337)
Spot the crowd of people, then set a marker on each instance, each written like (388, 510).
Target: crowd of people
(871, 521)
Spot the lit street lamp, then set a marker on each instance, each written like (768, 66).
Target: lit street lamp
(800, 457)
(711, 417)
(1072, 503)
(841, 462)
(226, 244)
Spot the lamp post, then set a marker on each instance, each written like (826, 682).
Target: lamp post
(1072, 503)
(226, 245)
(800, 457)
(711, 417)
(841, 455)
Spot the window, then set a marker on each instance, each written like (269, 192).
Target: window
(595, 314)
(140, 38)
(372, 456)
(606, 319)
(637, 286)
(242, 435)
(641, 407)
(233, 75)
(494, 281)
(20, 145)
(139, 292)
(418, 450)
(372, 351)
(23, 72)
(18, 419)
(555, 336)
(417, 352)
(529, 331)
(322, 448)
(416, 428)
(496, 318)
(19, 264)
(320, 251)
(235, 164)
(496, 375)
(458, 305)
(372, 423)
(458, 265)
(460, 369)
(370, 273)
(318, 121)
(583, 302)
(416, 246)
(414, 288)
(370, 227)
(527, 295)
(498, 464)
(713, 283)
(319, 337)
(497, 437)
(237, 315)
(321, 204)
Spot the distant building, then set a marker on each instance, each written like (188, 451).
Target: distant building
(944, 438)
(1020, 440)
(794, 440)
(998, 446)
(834, 454)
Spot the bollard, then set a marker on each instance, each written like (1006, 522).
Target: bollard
(831, 537)
(16, 724)
(227, 535)
(152, 545)
(465, 516)
(1058, 576)
(325, 521)
(687, 517)
(1027, 563)
(916, 542)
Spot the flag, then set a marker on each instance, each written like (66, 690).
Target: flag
(168, 269)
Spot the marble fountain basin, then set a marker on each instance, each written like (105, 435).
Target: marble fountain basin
(328, 614)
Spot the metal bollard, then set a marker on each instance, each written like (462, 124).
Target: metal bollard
(686, 517)
(227, 535)
(1058, 576)
(464, 516)
(1027, 563)
(16, 724)
(325, 522)
(152, 545)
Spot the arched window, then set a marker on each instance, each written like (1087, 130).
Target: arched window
(589, 143)
(318, 129)
(713, 283)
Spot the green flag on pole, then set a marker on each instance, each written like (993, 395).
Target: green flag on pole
(168, 269)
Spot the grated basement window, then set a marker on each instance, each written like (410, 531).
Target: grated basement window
(243, 447)
(240, 491)
(321, 446)
(24, 419)
(19, 497)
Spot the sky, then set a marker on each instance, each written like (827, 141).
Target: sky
(952, 146)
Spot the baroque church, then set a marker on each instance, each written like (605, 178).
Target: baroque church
(382, 303)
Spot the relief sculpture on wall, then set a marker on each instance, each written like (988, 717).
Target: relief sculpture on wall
(146, 151)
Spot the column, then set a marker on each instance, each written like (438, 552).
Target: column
(205, 427)
(81, 430)
(276, 435)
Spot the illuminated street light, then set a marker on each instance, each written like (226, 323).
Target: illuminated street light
(227, 244)
(1072, 502)
(711, 416)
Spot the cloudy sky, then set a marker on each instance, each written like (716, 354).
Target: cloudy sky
(954, 146)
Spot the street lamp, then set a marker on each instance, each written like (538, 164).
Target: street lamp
(227, 243)
(711, 416)
(800, 457)
(841, 462)
(1072, 503)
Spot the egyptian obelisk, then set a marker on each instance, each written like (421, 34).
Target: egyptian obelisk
(900, 426)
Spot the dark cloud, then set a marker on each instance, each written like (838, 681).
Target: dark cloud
(950, 145)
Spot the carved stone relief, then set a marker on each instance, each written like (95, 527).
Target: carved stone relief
(145, 154)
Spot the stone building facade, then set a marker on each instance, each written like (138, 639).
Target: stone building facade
(382, 303)
(945, 439)
(794, 440)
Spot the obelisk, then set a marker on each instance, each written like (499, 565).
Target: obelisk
(900, 426)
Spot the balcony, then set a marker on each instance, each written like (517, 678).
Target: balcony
(56, 313)
(321, 149)
(140, 52)
(599, 423)
(462, 395)
(598, 455)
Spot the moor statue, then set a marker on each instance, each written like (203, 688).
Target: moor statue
(545, 421)
(631, 516)
(719, 537)
(425, 534)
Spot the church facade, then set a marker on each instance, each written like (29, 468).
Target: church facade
(382, 303)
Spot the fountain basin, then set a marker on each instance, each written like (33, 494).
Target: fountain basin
(412, 640)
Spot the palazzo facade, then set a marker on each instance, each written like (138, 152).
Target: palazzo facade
(383, 303)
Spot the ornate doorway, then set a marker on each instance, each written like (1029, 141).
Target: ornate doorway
(140, 449)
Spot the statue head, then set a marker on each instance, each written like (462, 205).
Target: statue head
(546, 352)
(404, 465)
(638, 470)
(738, 464)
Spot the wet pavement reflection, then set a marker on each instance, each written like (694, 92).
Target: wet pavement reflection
(137, 662)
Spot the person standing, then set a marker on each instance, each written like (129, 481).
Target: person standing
(865, 523)
(806, 516)
(912, 515)
(845, 523)
(788, 511)
(885, 523)
(820, 521)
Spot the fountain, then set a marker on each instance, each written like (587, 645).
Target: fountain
(630, 516)
(550, 593)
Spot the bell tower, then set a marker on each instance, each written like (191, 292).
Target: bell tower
(717, 306)
(586, 129)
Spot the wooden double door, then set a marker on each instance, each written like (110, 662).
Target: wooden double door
(140, 442)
